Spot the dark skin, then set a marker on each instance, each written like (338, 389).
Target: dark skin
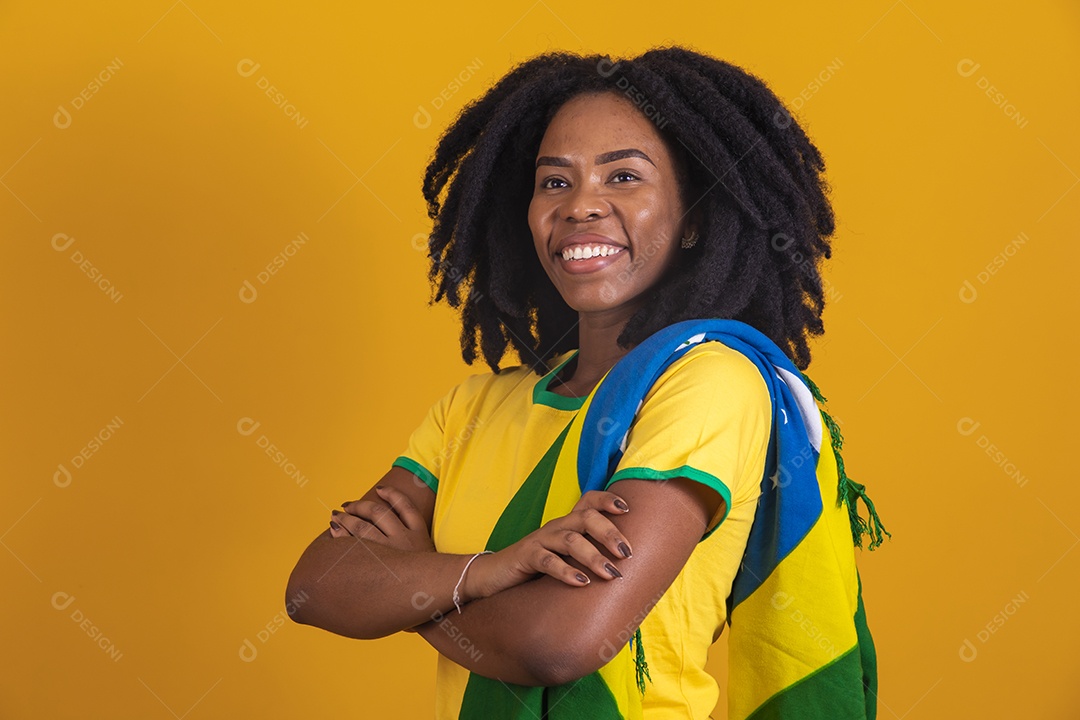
(631, 198)
(548, 609)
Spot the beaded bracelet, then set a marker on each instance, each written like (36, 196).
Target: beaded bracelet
(457, 597)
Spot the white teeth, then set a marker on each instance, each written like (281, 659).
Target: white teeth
(584, 252)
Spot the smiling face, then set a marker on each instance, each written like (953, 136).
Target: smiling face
(606, 213)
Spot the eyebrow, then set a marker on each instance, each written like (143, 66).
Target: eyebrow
(601, 159)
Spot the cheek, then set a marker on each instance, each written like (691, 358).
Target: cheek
(657, 216)
(534, 214)
(646, 225)
(539, 224)
(653, 226)
(649, 204)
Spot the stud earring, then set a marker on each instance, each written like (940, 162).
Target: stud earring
(689, 242)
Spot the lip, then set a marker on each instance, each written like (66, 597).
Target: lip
(593, 264)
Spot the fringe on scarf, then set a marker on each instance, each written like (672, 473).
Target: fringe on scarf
(641, 668)
(850, 491)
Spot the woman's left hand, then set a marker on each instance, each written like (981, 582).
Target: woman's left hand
(395, 522)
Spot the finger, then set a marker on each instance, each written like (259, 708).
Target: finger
(578, 547)
(600, 528)
(337, 531)
(358, 527)
(349, 505)
(546, 562)
(604, 501)
(403, 506)
(379, 514)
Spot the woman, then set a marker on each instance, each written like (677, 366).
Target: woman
(568, 533)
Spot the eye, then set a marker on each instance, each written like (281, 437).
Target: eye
(626, 174)
(544, 184)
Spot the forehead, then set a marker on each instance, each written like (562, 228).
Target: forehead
(594, 123)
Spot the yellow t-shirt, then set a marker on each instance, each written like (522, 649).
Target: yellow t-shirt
(707, 418)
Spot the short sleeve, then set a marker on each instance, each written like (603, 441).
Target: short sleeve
(424, 454)
(707, 418)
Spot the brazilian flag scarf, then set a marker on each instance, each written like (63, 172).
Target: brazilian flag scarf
(799, 645)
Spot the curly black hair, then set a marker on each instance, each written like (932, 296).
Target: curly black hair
(753, 177)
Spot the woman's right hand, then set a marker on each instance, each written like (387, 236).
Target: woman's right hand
(542, 551)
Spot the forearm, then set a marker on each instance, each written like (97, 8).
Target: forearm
(362, 589)
(546, 632)
(483, 646)
(531, 634)
(482, 642)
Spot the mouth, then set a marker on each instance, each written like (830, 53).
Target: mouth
(580, 259)
(590, 254)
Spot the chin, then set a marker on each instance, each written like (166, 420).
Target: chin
(592, 303)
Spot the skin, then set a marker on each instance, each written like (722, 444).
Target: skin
(550, 608)
(635, 201)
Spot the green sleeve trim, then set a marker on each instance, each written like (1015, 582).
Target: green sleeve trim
(707, 479)
(418, 470)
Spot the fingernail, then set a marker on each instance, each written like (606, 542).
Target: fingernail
(582, 578)
(380, 487)
(624, 550)
(621, 505)
(334, 525)
(614, 571)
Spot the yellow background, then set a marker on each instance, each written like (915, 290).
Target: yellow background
(179, 180)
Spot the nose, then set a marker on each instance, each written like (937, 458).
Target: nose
(584, 202)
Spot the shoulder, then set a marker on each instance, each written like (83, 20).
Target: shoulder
(479, 389)
(712, 371)
(707, 418)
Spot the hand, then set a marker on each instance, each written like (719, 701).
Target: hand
(395, 521)
(542, 551)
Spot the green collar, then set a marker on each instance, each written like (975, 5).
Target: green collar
(543, 396)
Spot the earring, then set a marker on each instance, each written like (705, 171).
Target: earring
(689, 242)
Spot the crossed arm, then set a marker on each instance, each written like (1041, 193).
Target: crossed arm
(529, 619)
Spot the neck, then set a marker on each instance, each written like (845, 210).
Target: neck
(598, 349)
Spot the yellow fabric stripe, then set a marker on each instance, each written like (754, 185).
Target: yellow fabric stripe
(565, 489)
(762, 660)
(618, 670)
(618, 675)
(453, 680)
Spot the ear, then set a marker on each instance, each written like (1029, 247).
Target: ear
(693, 222)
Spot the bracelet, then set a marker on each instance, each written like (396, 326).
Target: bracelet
(457, 597)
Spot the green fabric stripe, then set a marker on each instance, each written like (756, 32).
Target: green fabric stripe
(869, 656)
(526, 509)
(485, 699)
(831, 692)
(707, 479)
(419, 471)
(586, 699)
